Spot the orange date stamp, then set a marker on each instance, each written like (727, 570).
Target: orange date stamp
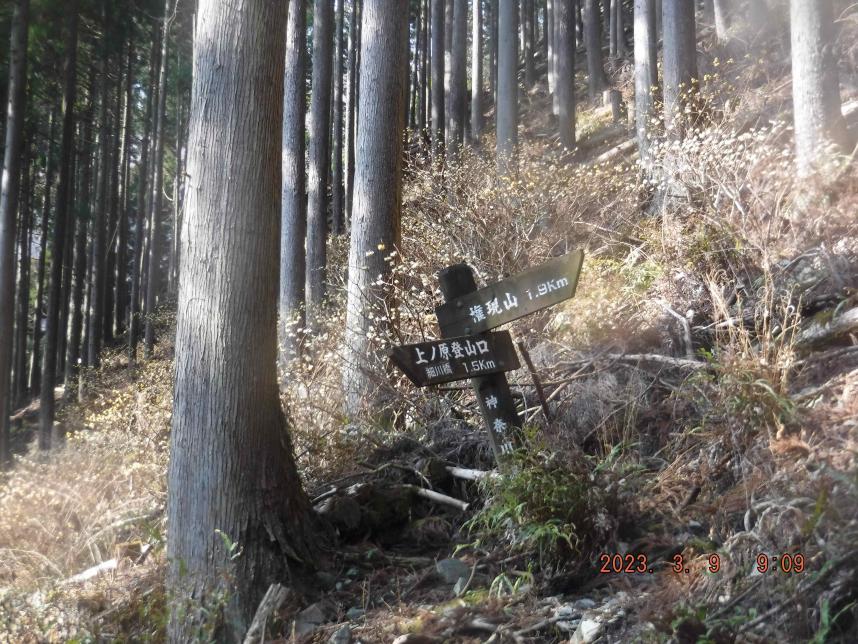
(615, 563)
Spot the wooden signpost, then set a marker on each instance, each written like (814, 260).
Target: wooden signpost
(466, 317)
(512, 298)
(440, 361)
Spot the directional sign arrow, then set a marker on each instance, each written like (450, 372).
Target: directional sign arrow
(512, 298)
(460, 358)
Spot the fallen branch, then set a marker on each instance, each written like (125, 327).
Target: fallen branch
(437, 497)
(273, 599)
(103, 567)
(679, 363)
(471, 475)
(621, 149)
(686, 328)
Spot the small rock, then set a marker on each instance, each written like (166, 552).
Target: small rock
(588, 630)
(343, 635)
(567, 626)
(309, 619)
(451, 570)
(584, 603)
(567, 611)
(355, 613)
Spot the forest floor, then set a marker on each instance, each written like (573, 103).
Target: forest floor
(702, 395)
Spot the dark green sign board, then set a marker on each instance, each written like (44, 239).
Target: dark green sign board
(512, 298)
(460, 358)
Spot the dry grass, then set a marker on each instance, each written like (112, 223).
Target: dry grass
(101, 497)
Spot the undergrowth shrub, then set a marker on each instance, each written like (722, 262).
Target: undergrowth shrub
(549, 504)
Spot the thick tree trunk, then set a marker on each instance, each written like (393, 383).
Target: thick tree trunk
(232, 475)
(646, 75)
(620, 18)
(293, 194)
(25, 236)
(157, 199)
(47, 435)
(337, 217)
(448, 70)
(680, 65)
(596, 81)
(113, 208)
(354, 47)
(378, 185)
(493, 49)
(819, 123)
(552, 56)
(39, 312)
(566, 71)
(438, 102)
(507, 102)
(9, 208)
(414, 69)
(458, 80)
(78, 312)
(142, 205)
(317, 184)
(476, 72)
(424, 108)
(122, 295)
(529, 44)
(99, 224)
(721, 9)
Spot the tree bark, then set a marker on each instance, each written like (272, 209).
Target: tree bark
(25, 238)
(596, 81)
(122, 294)
(232, 475)
(448, 71)
(458, 80)
(438, 102)
(337, 217)
(476, 72)
(423, 68)
(646, 75)
(142, 204)
(566, 71)
(99, 224)
(47, 433)
(157, 199)
(552, 56)
(293, 189)
(354, 48)
(317, 184)
(721, 9)
(9, 208)
(378, 190)
(493, 49)
(507, 102)
(39, 312)
(680, 65)
(529, 44)
(81, 256)
(113, 207)
(819, 123)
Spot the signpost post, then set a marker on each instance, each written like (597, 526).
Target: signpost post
(469, 350)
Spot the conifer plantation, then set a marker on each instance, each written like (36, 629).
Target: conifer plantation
(428, 321)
